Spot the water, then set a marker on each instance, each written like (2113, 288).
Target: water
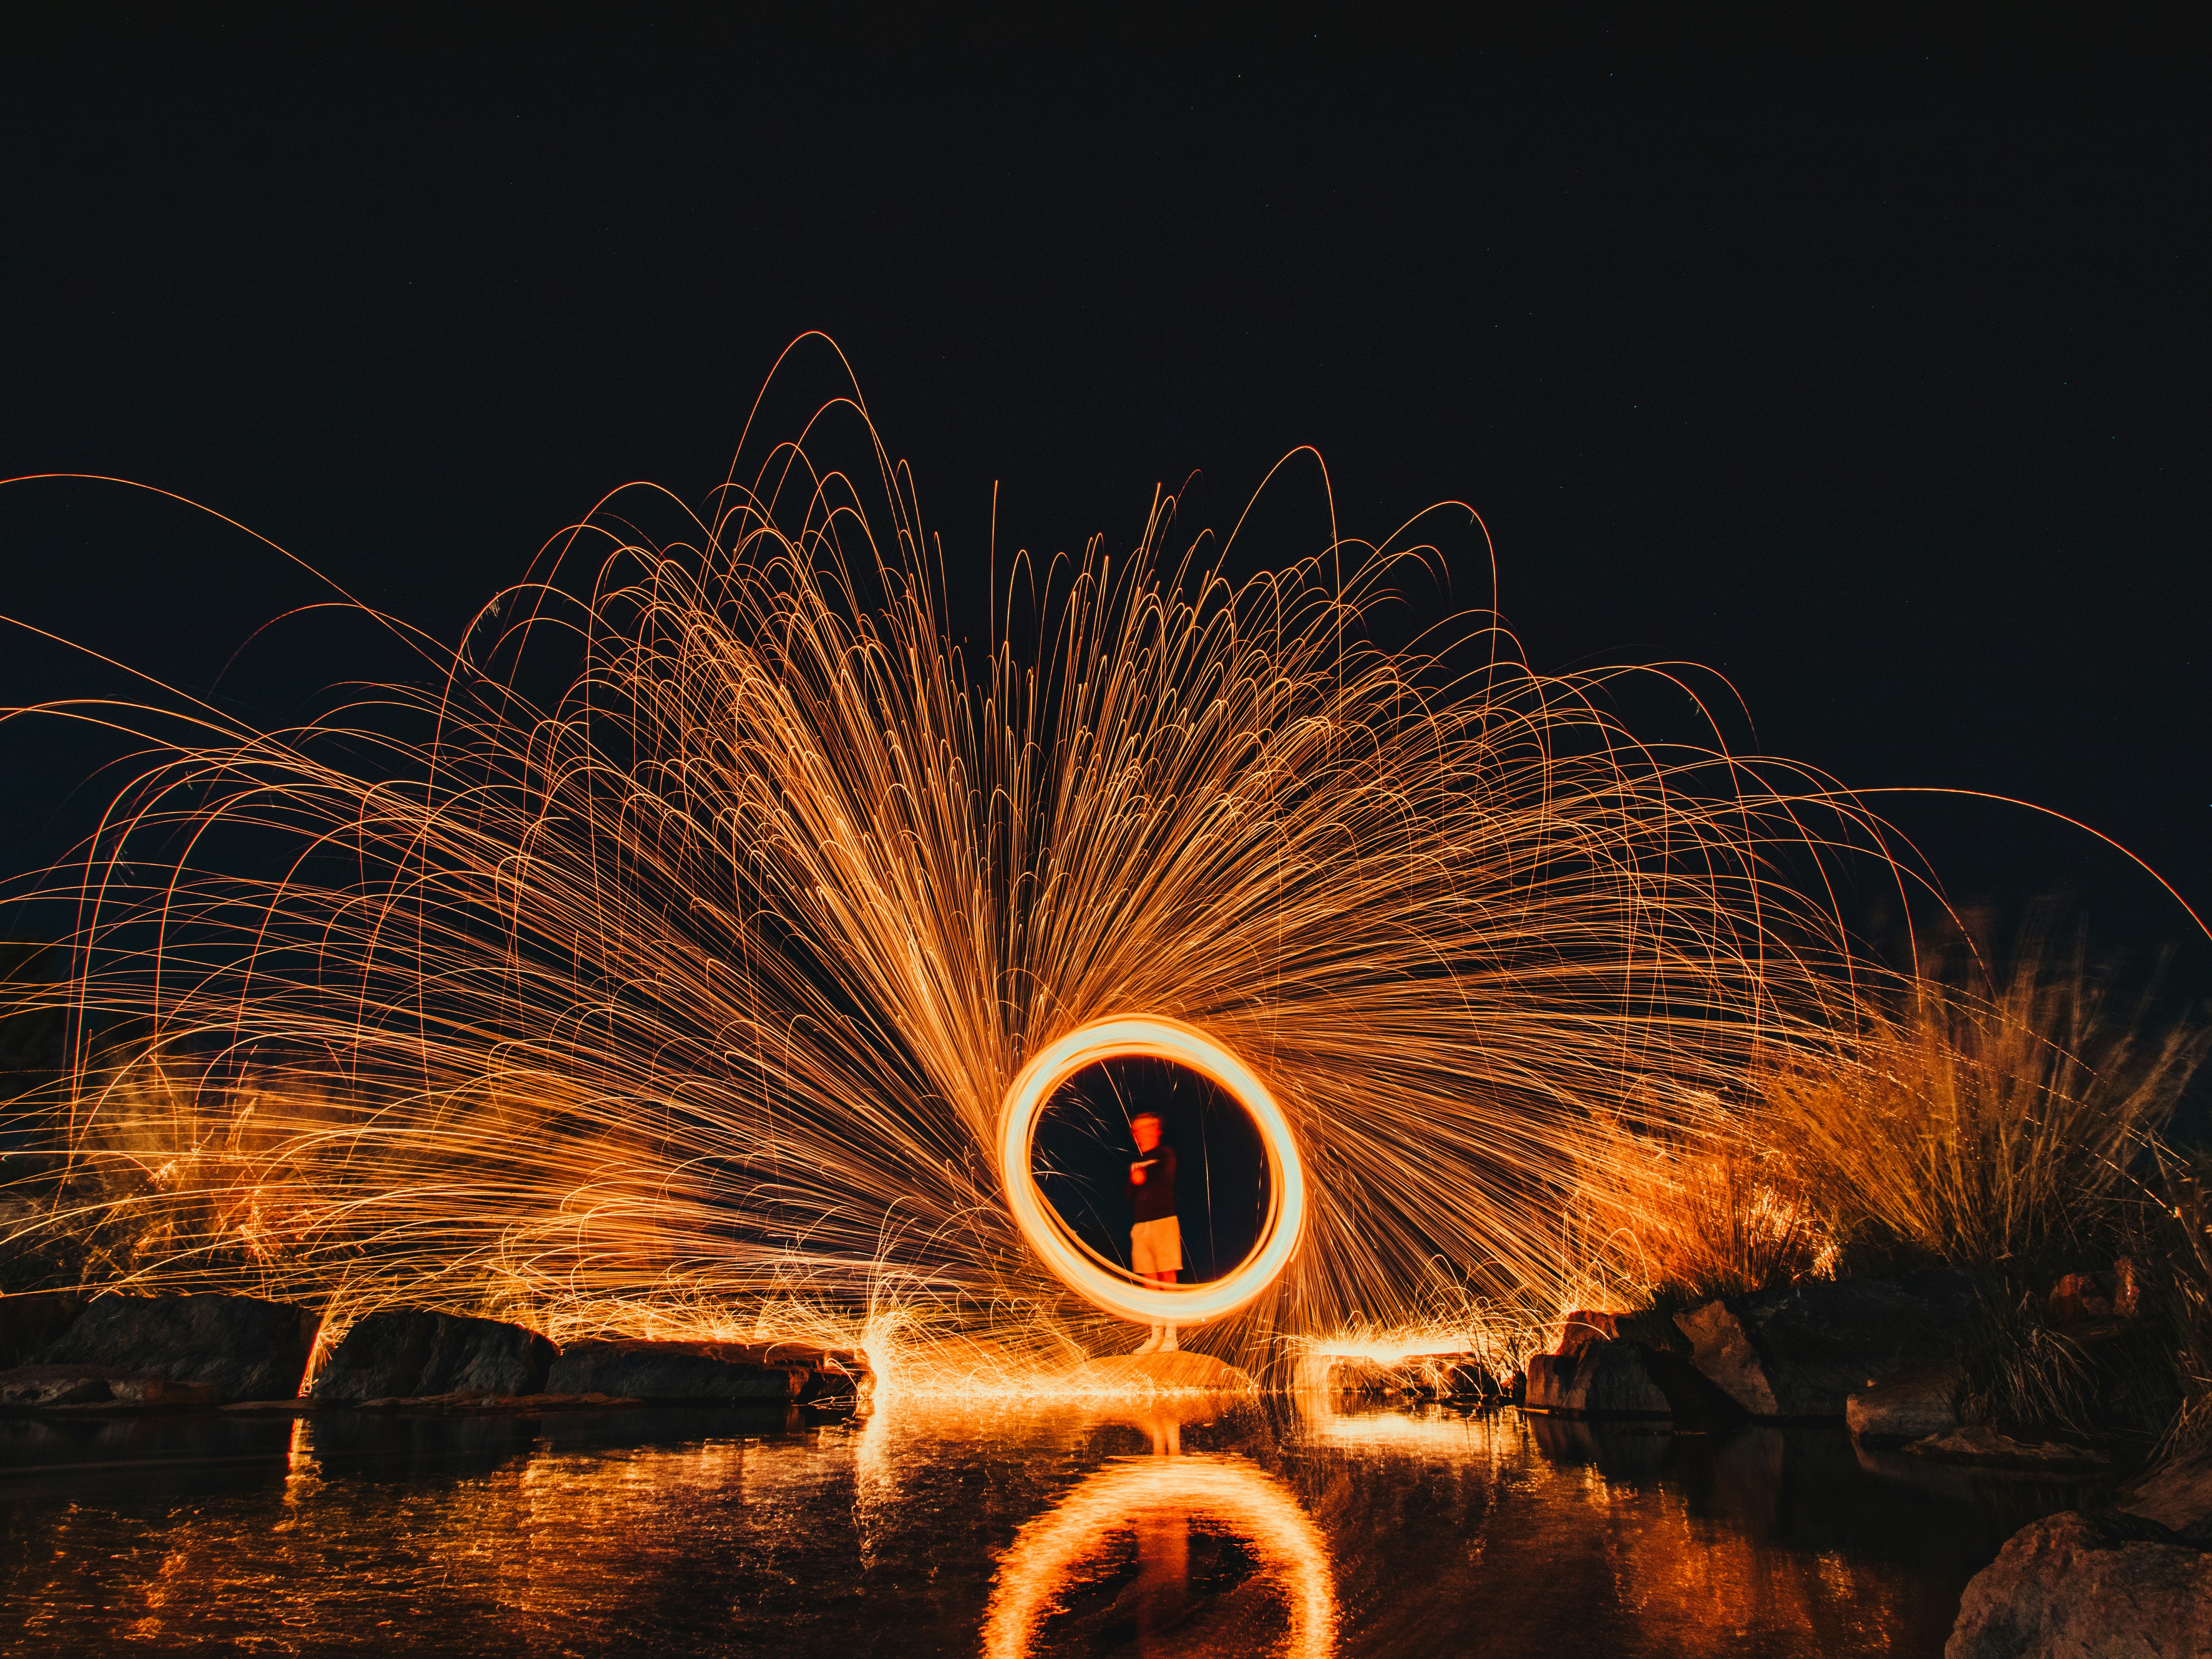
(1257, 1528)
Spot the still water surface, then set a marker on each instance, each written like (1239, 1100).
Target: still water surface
(1264, 1527)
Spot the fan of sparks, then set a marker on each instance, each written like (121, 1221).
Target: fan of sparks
(694, 985)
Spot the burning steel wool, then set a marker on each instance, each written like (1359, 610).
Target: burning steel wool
(699, 993)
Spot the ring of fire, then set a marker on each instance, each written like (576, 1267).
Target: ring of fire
(1102, 1283)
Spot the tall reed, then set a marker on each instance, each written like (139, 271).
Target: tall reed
(2002, 1131)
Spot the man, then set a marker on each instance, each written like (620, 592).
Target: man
(1156, 1240)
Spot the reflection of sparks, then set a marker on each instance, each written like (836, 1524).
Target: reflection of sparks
(1228, 1491)
(1121, 1293)
(700, 985)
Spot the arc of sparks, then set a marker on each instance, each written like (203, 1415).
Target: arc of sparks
(1080, 1269)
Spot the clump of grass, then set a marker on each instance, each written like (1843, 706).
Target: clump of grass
(2000, 1132)
(168, 1177)
(2173, 1247)
(1682, 1219)
(2008, 1133)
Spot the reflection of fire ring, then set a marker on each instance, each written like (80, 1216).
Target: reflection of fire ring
(1227, 1492)
(1103, 1283)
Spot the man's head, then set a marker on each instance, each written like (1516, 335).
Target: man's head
(1146, 1126)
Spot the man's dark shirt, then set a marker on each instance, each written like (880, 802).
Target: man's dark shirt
(1156, 1198)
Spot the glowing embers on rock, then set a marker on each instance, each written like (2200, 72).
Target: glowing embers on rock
(1159, 1498)
(1104, 1283)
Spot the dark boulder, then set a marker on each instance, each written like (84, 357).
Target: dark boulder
(415, 1351)
(1654, 1329)
(28, 1322)
(1800, 1351)
(2073, 1583)
(238, 1346)
(57, 1388)
(703, 1372)
(1596, 1377)
(1911, 1405)
(1618, 1376)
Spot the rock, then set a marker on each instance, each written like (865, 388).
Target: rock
(415, 1351)
(1417, 1376)
(1911, 1405)
(29, 1321)
(2078, 1297)
(1653, 1329)
(2177, 1494)
(30, 1387)
(1801, 1351)
(2075, 1585)
(239, 1346)
(1449, 1376)
(689, 1371)
(1601, 1378)
(1621, 1378)
(1991, 1448)
(56, 1388)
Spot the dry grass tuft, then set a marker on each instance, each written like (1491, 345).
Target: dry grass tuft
(2003, 1133)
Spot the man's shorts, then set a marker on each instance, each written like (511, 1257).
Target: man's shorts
(1156, 1246)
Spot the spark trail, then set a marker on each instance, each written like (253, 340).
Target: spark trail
(697, 988)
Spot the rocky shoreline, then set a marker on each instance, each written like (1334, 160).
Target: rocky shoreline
(1885, 1357)
(67, 1355)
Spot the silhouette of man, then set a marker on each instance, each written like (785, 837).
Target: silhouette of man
(1156, 1240)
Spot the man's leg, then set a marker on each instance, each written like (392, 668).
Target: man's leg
(1142, 1264)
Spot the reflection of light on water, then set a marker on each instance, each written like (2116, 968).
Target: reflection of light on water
(1439, 1433)
(301, 1476)
(1141, 1493)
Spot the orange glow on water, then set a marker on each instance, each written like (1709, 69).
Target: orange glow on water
(1224, 1491)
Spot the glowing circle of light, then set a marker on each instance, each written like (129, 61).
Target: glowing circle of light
(1080, 1268)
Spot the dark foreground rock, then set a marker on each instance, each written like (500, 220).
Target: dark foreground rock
(2077, 1585)
(1603, 1378)
(705, 1371)
(239, 1347)
(1800, 1351)
(29, 1321)
(1911, 1405)
(72, 1387)
(1618, 1376)
(417, 1351)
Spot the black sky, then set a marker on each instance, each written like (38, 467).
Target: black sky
(1865, 363)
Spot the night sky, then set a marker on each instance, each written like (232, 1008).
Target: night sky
(1866, 367)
